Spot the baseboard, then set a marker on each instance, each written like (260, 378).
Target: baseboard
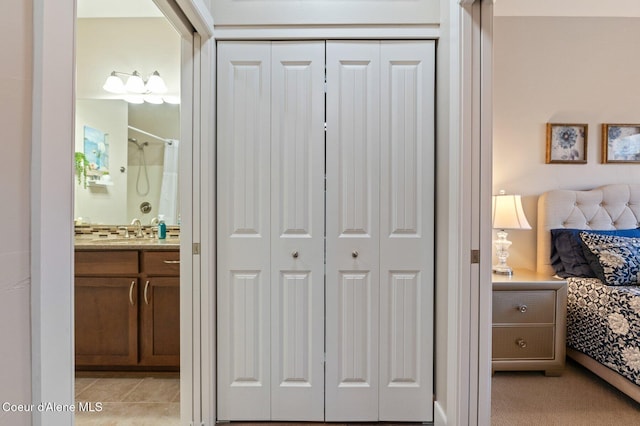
(439, 417)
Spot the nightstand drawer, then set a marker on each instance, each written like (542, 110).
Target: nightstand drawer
(524, 307)
(523, 343)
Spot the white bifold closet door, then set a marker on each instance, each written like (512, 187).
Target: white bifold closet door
(380, 236)
(365, 243)
(270, 231)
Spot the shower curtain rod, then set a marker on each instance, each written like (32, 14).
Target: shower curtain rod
(169, 141)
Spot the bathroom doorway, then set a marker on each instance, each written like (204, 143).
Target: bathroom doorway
(127, 212)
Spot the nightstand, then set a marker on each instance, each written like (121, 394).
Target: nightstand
(529, 322)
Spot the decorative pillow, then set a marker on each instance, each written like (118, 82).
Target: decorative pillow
(567, 254)
(618, 258)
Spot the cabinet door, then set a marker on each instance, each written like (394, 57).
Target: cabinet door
(106, 321)
(297, 231)
(352, 239)
(244, 230)
(160, 316)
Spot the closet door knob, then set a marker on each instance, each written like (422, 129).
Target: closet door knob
(354, 254)
(295, 254)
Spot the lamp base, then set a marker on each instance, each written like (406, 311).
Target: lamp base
(502, 270)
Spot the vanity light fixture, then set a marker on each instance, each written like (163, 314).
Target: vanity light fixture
(137, 90)
(507, 214)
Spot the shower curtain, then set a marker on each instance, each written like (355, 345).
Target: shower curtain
(169, 189)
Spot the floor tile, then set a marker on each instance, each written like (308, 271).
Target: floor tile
(153, 389)
(109, 390)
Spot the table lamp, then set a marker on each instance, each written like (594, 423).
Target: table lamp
(507, 213)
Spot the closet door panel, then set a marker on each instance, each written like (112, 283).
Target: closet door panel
(407, 233)
(352, 239)
(297, 237)
(244, 231)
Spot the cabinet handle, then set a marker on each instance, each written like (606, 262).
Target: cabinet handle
(133, 284)
(521, 343)
(146, 287)
(522, 308)
(171, 262)
(295, 254)
(354, 254)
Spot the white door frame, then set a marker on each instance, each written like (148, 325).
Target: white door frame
(52, 209)
(468, 398)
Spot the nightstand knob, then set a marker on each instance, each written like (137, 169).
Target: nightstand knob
(522, 308)
(521, 343)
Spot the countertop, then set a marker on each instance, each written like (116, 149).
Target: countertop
(121, 243)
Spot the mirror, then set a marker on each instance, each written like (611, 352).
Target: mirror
(129, 151)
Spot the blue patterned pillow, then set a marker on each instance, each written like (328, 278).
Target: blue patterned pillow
(567, 255)
(615, 260)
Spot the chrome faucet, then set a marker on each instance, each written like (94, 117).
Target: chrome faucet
(136, 222)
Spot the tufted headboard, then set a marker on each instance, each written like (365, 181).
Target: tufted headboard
(607, 207)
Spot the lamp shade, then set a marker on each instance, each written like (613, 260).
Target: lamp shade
(114, 84)
(135, 83)
(508, 213)
(156, 83)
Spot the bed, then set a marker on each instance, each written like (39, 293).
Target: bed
(603, 304)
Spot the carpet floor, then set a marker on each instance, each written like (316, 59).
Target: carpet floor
(577, 398)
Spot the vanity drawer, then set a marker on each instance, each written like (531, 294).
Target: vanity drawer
(523, 343)
(107, 262)
(522, 307)
(161, 262)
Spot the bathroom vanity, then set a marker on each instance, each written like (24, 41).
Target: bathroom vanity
(127, 314)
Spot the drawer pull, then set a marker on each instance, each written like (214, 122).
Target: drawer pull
(171, 262)
(354, 254)
(133, 284)
(522, 308)
(146, 288)
(521, 343)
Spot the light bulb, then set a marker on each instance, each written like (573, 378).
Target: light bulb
(133, 99)
(174, 100)
(153, 99)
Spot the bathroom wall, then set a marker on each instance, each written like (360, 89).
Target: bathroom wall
(104, 204)
(160, 120)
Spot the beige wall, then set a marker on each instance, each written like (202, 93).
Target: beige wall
(104, 204)
(15, 133)
(562, 70)
(323, 12)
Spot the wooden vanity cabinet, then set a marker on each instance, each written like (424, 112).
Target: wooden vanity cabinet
(127, 309)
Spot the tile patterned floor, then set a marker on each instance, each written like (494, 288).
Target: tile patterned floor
(139, 401)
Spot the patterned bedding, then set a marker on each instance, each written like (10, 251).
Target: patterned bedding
(604, 323)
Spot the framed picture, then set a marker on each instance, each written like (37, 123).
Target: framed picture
(566, 143)
(621, 143)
